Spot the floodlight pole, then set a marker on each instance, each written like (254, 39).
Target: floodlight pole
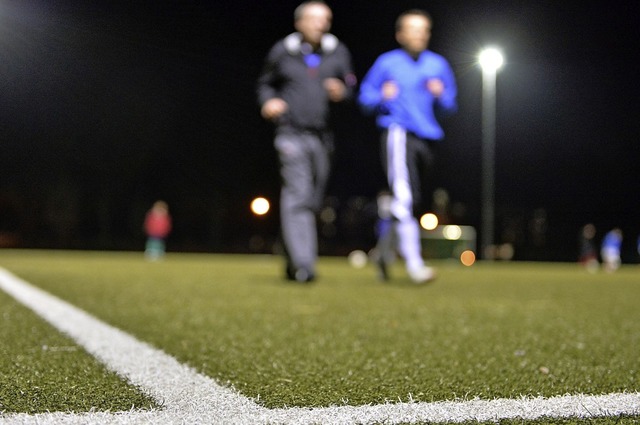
(489, 70)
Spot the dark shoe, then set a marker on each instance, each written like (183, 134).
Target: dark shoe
(290, 272)
(301, 275)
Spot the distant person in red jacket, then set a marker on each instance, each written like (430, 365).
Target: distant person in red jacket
(157, 225)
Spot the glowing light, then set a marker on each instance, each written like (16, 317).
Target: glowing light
(260, 206)
(429, 221)
(506, 252)
(490, 59)
(468, 258)
(452, 232)
(328, 215)
(358, 259)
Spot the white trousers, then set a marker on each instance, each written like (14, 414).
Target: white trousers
(407, 228)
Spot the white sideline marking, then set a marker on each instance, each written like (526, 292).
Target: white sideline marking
(190, 397)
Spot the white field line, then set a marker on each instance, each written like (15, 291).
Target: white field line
(190, 397)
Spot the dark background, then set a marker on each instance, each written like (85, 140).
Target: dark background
(107, 106)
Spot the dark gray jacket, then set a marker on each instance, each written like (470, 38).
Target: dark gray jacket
(295, 74)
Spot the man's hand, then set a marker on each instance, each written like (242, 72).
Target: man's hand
(274, 108)
(435, 86)
(335, 89)
(390, 90)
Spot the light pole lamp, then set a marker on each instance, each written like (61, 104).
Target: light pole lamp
(490, 61)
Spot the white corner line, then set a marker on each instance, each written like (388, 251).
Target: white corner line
(188, 396)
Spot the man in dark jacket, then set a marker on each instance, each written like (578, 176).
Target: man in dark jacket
(303, 74)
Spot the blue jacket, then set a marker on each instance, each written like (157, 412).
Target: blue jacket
(415, 108)
(612, 240)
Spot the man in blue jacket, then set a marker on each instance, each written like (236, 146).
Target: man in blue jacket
(304, 74)
(408, 89)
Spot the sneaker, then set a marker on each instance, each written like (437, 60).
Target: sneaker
(290, 272)
(422, 275)
(303, 275)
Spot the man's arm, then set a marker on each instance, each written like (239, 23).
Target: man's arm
(371, 97)
(446, 101)
(271, 105)
(342, 87)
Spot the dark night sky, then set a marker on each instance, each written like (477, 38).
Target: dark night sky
(106, 106)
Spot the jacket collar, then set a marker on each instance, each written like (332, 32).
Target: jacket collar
(293, 43)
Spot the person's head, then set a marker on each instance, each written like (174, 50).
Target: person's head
(312, 19)
(160, 206)
(589, 231)
(413, 30)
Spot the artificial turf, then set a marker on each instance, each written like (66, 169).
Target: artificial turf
(491, 330)
(43, 370)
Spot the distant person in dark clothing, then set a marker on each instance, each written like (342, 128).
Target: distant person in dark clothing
(588, 251)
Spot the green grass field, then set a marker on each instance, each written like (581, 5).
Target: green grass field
(494, 330)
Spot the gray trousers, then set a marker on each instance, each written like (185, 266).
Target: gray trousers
(305, 162)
